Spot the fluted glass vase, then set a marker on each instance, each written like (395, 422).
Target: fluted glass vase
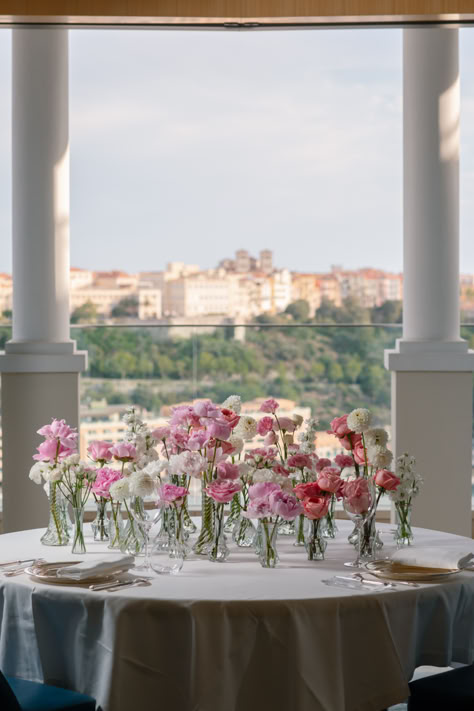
(218, 551)
(100, 527)
(115, 525)
(206, 535)
(243, 533)
(267, 537)
(78, 544)
(300, 526)
(132, 539)
(57, 533)
(315, 542)
(329, 527)
(404, 533)
(234, 514)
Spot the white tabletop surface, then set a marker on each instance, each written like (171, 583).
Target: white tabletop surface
(234, 636)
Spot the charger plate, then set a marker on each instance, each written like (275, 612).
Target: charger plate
(47, 573)
(390, 570)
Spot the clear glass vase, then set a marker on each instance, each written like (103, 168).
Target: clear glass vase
(300, 526)
(287, 528)
(404, 533)
(57, 533)
(132, 539)
(78, 545)
(188, 524)
(234, 514)
(243, 533)
(370, 541)
(115, 525)
(218, 551)
(267, 553)
(315, 542)
(100, 527)
(167, 555)
(206, 535)
(329, 523)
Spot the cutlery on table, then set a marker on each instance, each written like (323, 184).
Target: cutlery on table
(364, 582)
(392, 582)
(117, 584)
(10, 572)
(17, 562)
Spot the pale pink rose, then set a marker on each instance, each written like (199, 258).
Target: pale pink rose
(171, 493)
(99, 450)
(50, 448)
(339, 426)
(219, 429)
(357, 495)
(350, 441)
(103, 481)
(343, 461)
(264, 426)
(330, 480)
(230, 417)
(322, 463)
(206, 408)
(300, 461)
(387, 480)
(124, 451)
(161, 433)
(309, 490)
(316, 507)
(184, 416)
(285, 505)
(270, 439)
(269, 405)
(285, 424)
(227, 470)
(223, 490)
(262, 489)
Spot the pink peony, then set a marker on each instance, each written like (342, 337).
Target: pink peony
(227, 470)
(171, 493)
(357, 496)
(264, 426)
(124, 451)
(262, 489)
(206, 408)
(343, 461)
(311, 489)
(59, 429)
(330, 480)
(99, 450)
(387, 480)
(300, 461)
(258, 508)
(322, 463)
(269, 405)
(50, 448)
(223, 490)
(316, 507)
(161, 433)
(285, 505)
(103, 481)
(198, 440)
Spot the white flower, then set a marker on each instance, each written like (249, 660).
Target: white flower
(246, 428)
(244, 470)
(156, 467)
(359, 420)
(142, 484)
(376, 436)
(379, 457)
(270, 475)
(233, 403)
(188, 463)
(120, 490)
(237, 443)
(52, 474)
(36, 472)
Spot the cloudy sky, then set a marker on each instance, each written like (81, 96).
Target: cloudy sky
(186, 146)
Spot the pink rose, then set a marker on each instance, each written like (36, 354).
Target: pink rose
(230, 417)
(339, 426)
(343, 461)
(359, 453)
(357, 496)
(219, 429)
(350, 441)
(300, 461)
(269, 405)
(103, 481)
(171, 493)
(316, 507)
(47, 450)
(285, 505)
(258, 508)
(330, 480)
(161, 433)
(264, 426)
(322, 463)
(99, 451)
(387, 480)
(227, 470)
(262, 489)
(124, 451)
(223, 490)
(309, 490)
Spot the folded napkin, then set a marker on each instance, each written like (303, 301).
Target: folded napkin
(97, 567)
(442, 558)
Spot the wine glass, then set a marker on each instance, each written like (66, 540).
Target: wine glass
(359, 498)
(146, 511)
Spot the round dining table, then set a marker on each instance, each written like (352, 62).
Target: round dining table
(235, 636)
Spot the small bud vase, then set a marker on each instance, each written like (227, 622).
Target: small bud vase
(115, 525)
(132, 539)
(57, 533)
(315, 542)
(329, 524)
(234, 514)
(100, 524)
(78, 545)
(243, 533)
(206, 535)
(267, 551)
(370, 540)
(404, 533)
(218, 551)
(300, 526)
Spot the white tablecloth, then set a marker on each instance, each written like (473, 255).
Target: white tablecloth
(234, 636)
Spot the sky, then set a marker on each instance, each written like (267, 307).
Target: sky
(186, 146)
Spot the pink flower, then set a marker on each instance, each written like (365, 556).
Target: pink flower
(358, 453)
(387, 480)
(316, 507)
(198, 440)
(357, 495)
(285, 505)
(258, 508)
(59, 429)
(99, 451)
(350, 441)
(103, 481)
(264, 426)
(171, 493)
(309, 490)
(262, 489)
(322, 463)
(227, 470)
(206, 408)
(184, 416)
(161, 433)
(219, 429)
(280, 469)
(230, 417)
(124, 451)
(285, 424)
(343, 461)
(339, 426)
(270, 439)
(300, 461)
(223, 490)
(330, 480)
(47, 450)
(269, 405)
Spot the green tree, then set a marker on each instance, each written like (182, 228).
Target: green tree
(87, 313)
(299, 310)
(327, 312)
(388, 312)
(335, 372)
(126, 308)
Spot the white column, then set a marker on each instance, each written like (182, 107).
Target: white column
(432, 366)
(40, 367)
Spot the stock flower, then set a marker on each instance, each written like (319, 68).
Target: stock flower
(99, 450)
(269, 405)
(359, 420)
(387, 480)
(285, 505)
(124, 451)
(223, 490)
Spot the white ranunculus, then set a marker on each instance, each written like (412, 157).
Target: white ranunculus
(379, 457)
(359, 420)
(237, 443)
(120, 489)
(376, 436)
(54, 474)
(233, 403)
(142, 484)
(246, 428)
(36, 472)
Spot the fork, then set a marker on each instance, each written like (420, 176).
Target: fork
(21, 568)
(116, 584)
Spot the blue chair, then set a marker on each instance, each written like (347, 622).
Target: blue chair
(21, 695)
(449, 690)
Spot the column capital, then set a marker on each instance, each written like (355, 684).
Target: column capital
(41, 357)
(429, 356)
